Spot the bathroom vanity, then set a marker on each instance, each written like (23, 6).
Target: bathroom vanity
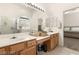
(51, 41)
(28, 32)
(24, 44)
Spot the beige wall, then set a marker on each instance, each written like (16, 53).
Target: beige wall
(71, 19)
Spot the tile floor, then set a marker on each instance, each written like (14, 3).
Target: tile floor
(62, 51)
(72, 43)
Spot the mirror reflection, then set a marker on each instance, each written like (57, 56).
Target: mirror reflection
(19, 18)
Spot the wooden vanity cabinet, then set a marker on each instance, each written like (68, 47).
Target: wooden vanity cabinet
(16, 48)
(43, 40)
(29, 51)
(52, 42)
(31, 43)
(2, 51)
(30, 48)
(54, 38)
(22, 48)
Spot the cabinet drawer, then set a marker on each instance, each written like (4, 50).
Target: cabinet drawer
(31, 43)
(17, 47)
(55, 35)
(29, 51)
(2, 51)
(43, 40)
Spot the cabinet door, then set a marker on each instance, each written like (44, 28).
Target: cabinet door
(56, 38)
(2, 51)
(29, 51)
(17, 47)
(52, 43)
(31, 43)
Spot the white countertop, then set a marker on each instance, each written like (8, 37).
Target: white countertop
(40, 38)
(49, 33)
(6, 40)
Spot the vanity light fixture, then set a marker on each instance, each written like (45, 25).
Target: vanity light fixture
(24, 18)
(34, 6)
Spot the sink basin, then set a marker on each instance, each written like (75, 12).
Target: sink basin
(13, 37)
(39, 34)
(16, 38)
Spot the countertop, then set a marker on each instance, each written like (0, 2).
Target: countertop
(6, 40)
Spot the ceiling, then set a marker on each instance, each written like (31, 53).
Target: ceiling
(59, 6)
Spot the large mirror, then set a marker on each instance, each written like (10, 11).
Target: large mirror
(16, 25)
(19, 18)
(23, 24)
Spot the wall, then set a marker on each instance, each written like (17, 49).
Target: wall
(71, 19)
(10, 12)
